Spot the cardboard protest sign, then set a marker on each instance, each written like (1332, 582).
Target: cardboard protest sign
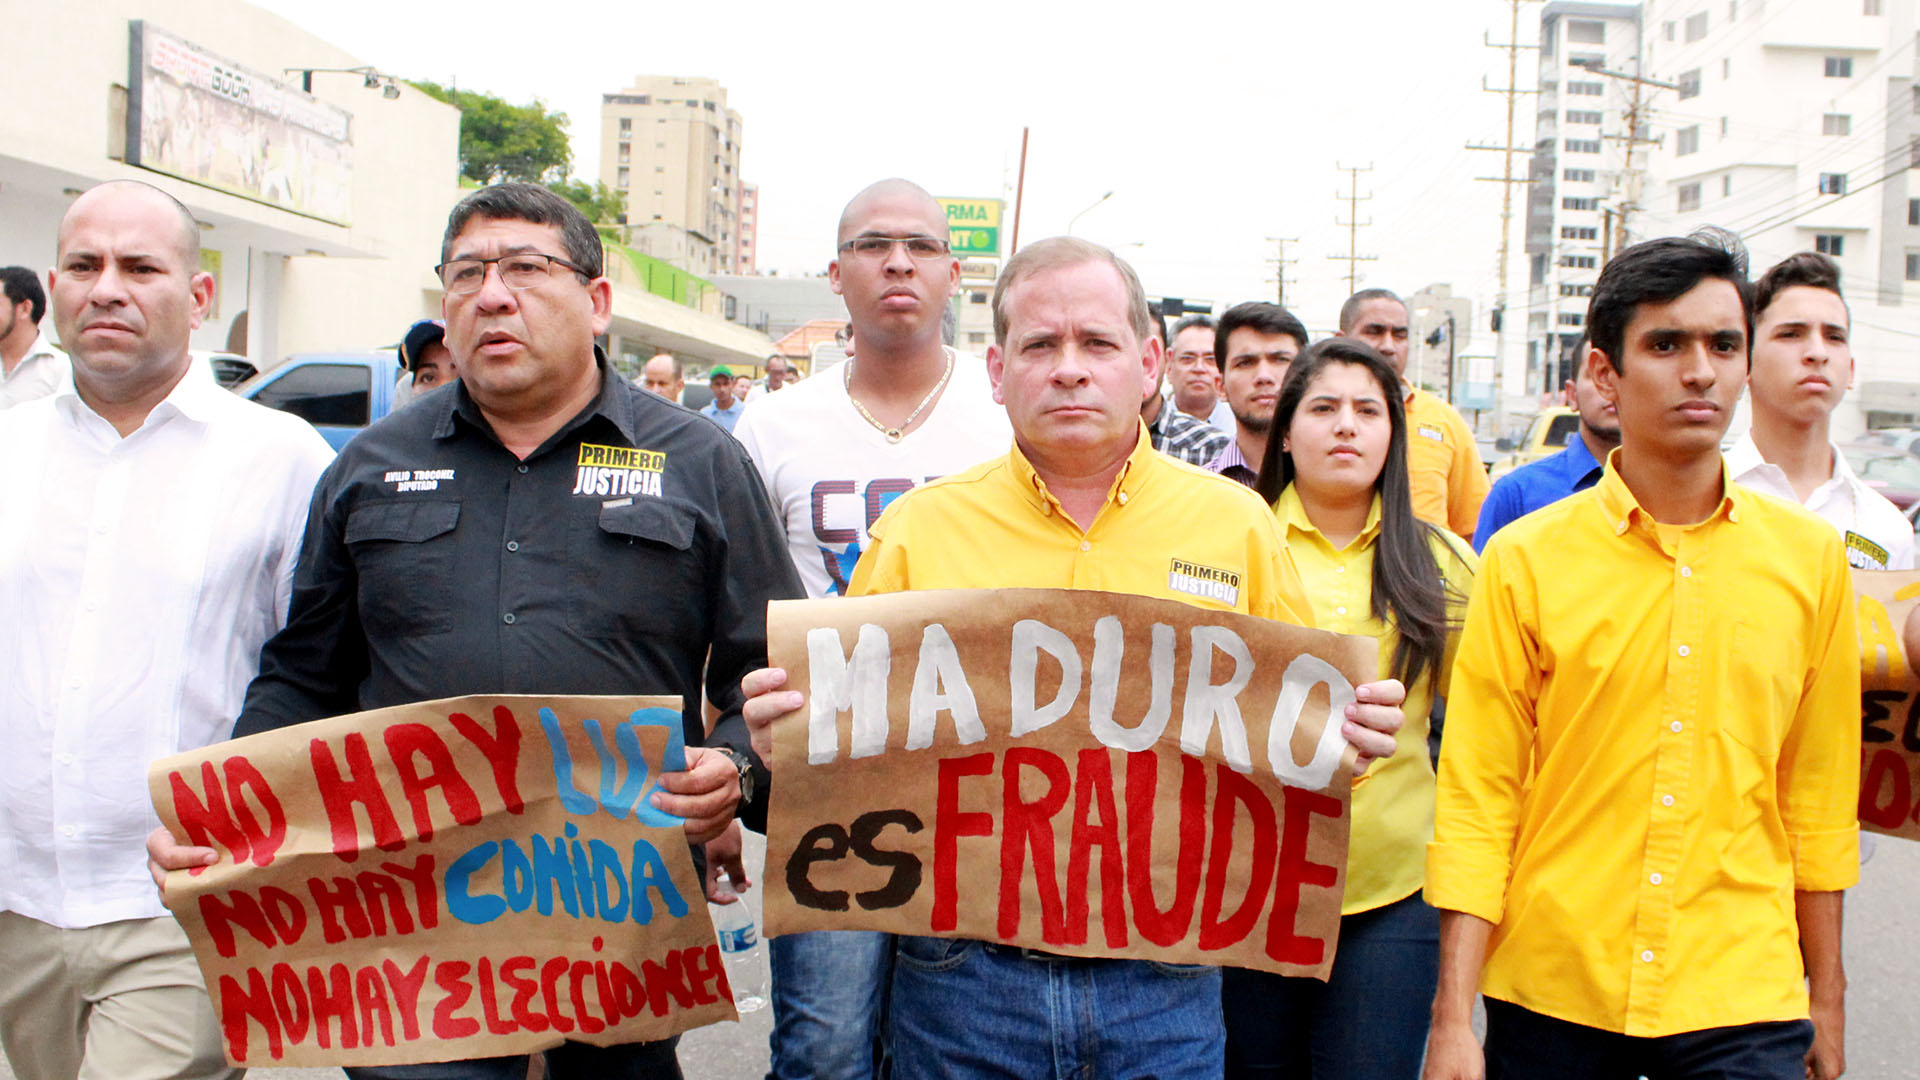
(1081, 772)
(442, 881)
(1889, 701)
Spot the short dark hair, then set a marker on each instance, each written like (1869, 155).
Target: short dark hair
(23, 285)
(1351, 309)
(1656, 272)
(1157, 324)
(1808, 268)
(1255, 315)
(515, 201)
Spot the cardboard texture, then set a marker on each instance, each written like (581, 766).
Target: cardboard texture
(1080, 772)
(1889, 701)
(442, 881)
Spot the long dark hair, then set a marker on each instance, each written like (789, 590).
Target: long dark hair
(1408, 587)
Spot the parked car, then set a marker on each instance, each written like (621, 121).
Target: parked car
(1888, 470)
(1905, 439)
(229, 369)
(338, 393)
(1546, 434)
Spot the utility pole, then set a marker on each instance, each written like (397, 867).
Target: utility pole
(1506, 180)
(1629, 172)
(1280, 261)
(1353, 225)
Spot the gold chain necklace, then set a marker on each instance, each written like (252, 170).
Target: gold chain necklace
(895, 434)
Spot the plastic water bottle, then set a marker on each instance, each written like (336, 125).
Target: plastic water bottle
(740, 948)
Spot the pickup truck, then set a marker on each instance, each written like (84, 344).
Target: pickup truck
(338, 393)
(1546, 435)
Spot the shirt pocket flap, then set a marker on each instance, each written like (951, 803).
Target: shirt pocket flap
(409, 521)
(650, 520)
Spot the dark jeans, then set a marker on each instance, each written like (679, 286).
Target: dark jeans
(568, 1061)
(1523, 1045)
(1367, 1022)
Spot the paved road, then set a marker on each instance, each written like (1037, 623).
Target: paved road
(1882, 944)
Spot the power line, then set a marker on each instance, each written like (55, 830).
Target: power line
(1353, 224)
(1506, 180)
(1280, 262)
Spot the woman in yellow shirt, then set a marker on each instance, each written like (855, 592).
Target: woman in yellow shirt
(1336, 474)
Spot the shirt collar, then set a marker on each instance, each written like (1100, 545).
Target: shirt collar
(1293, 514)
(617, 407)
(1624, 511)
(1135, 472)
(1744, 459)
(1230, 457)
(196, 396)
(1580, 461)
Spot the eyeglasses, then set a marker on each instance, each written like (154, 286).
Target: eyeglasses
(522, 270)
(880, 247)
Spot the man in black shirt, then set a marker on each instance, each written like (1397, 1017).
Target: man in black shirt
(546, 527)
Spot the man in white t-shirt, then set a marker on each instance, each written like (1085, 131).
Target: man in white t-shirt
(834, 450)
(1802, 367)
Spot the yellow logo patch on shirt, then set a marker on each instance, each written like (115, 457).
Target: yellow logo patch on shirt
(1204, 581)
(618, 470)
(1864, 554)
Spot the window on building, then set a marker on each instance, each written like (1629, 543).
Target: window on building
(1586, 32)
(1723, 127)
(1587, 60)
(1833, 183)
(1666, 29)
(1836, 124)
(1832, 244)
(1726, 185)
(1572, 318)
(1689, 197)
(620, 177)
(1839, 67)
(1726, 68)
(1579, 232)
(1686, 140)
(1580, 116)
(1571, 289)
(322, 393)
(1913, 211)
(1577, 176)
(626, 125)
(976, 337)
(1578, 262)
(1586, 89)
(1579, 203)
(1696, 27)
(1583, 146)
(1913, 266)
(626, 151)
(1871, 7)
(1733, 10)
(978, 296)
(1689, 83)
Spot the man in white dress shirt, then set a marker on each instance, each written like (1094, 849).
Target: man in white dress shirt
(30, 367)
(149, 524)
(1802, 366)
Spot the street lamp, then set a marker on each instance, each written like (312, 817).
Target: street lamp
(371, 79)
(1076, 218)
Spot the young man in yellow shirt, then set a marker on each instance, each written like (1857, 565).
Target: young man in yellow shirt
(1646, 806)
(1082, 501)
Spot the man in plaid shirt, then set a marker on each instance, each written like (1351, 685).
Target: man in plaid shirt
(1174, 433)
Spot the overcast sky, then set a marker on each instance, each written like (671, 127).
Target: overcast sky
(1215, 124)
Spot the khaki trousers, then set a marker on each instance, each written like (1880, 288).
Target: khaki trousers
(123, 1001)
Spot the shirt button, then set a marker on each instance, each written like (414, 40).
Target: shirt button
(1666, 800)
(1684, 651)
(1676, 727)
(523, 468)
(1655, 878)
(507, 618)
(66, 759)
(1123, 498)
(70, 830)
(1686, 571)
(1647, 956)
(1086, 545)
(1339, 611)
(513, 545)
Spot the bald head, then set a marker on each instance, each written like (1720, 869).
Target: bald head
(894, 192)
(129, 193)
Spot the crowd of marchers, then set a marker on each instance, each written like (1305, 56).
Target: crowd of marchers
(1631, 835)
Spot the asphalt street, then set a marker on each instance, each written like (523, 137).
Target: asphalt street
(1882, 950)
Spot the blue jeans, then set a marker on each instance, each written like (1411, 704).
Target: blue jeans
(1522, 1044)
(568, 1061)
(829, 1004)
(973, 1009)
(1368, 1021)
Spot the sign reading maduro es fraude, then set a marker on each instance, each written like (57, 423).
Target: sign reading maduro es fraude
(442, 881)
(1081, 772)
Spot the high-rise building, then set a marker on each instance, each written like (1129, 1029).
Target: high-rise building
(1579, 172)
(671, 147)
(1793, 124)
(747, 229)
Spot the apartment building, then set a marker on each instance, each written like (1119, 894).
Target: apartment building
(671, 147)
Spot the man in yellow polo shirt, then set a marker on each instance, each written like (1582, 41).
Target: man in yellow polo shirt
(1443, 462)
(1646, 804)
(1082, 501)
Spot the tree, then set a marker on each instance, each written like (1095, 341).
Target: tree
(601, 204)
(500, 141)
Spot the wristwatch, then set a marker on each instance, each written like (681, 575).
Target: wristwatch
(742, 765)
